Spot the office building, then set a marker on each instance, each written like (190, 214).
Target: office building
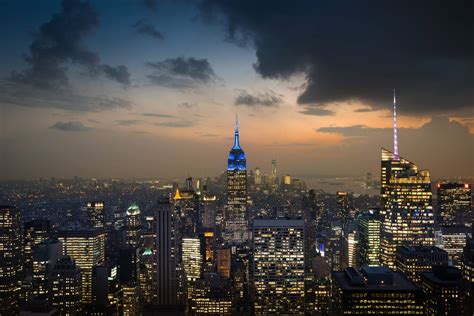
(369, 238)
(374, 290)
(442, 289)
(468, 277)
(413, 260)
(278, 264)
(66, 287)
(35, 232)
(133, 226)
(224, 262)
(86, 246)
(342, 199)
(10, 258)
(192, 258)
(212, 295)
(407, 212)
(454, 203)
(166, 263)
(236, 224)
(131, 299)
(453, 238)
(45, 255)
(95, 216)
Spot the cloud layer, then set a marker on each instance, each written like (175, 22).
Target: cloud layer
(72, 126)
(360, 50)
(267, 98)
(181, 72)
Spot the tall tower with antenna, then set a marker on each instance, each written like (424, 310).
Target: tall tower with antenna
(395, 132)
(237, 217)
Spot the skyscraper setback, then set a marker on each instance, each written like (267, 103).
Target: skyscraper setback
(237, 217)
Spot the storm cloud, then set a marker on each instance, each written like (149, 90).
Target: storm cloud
(60, 43)
(360, 50)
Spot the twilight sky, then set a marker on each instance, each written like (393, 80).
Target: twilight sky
(144, 88)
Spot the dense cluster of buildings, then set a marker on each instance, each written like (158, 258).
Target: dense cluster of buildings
(247, 244)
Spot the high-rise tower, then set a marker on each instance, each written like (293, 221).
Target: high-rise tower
(10, 259)
(406, 212)
(237, 218)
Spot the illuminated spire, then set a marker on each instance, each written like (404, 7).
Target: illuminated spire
(395, 134)
(236, 135)
(177, 195)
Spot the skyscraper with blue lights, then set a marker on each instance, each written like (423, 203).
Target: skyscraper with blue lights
(236, 217)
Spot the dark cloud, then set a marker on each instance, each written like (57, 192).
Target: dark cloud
(317, 111)
(181, 72)
(365, 110)
(353, 130)
(265, 99)
(158, 115)
(60, 42)
(360, 50)
(145, 28)
(118, 73)
(177, 124)
(72, 126)
(28, 96)
(151, 4)
(187, 105)
(127, 122)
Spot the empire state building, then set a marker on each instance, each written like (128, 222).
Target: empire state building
(236, 216)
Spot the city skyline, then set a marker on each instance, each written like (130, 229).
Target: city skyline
(93, 107)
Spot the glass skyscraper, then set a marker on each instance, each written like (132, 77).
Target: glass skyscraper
(237, 218)
(407, 212)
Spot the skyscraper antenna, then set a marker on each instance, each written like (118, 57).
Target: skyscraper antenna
(236, 135)
(395, 133)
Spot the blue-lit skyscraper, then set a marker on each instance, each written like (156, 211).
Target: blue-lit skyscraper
(236, 219)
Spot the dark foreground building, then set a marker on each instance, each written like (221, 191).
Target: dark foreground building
(374, 290)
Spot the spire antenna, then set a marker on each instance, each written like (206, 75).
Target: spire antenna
(395, 132)
(236, 135)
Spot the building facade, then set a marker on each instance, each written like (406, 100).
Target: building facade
(278, 263)
(237, 218)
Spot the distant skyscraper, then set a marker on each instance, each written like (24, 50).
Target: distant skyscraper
(369, 238)
(257, 177)
(87, 248)
(10, 259)
(166, 277)
(133, 225)
(66, 287)
(407, 212)
(342, 205)
(237, 217)
(454, 203)
(95, 214)
(278, 262)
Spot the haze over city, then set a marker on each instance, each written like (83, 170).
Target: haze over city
(143, 89)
